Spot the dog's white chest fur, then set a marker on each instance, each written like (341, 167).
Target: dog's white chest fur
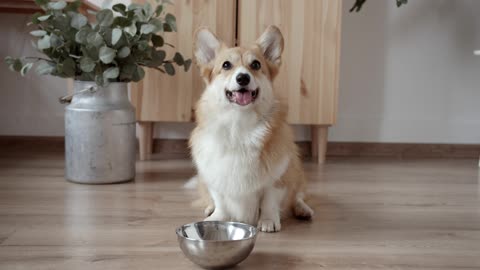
(228, 153)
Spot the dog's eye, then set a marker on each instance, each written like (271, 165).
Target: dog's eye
(227, 65)
(255, 65)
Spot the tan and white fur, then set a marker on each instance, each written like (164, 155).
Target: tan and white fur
(248, 165)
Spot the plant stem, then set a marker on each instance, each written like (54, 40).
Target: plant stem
(157, 68)
(38, 59)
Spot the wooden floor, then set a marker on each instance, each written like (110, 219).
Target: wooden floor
(370, 214)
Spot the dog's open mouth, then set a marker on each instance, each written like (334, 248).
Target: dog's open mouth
(242, 96)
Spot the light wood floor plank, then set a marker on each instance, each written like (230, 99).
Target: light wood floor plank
(370, 214)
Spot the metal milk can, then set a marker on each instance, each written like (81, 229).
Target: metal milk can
(100, 142)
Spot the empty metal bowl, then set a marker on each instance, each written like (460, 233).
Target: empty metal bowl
(216, 244)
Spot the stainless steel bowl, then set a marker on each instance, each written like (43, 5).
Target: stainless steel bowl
(216, 244)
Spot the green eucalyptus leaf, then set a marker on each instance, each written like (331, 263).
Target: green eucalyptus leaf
(167, 27)
(106, 33)
(41, 2)
(138, 74)
(68, 67)
(111, 73)
(142, 45)
(91, 52)
(158, 57)
(9, 60)
(78, 21)
(165, 2)
(61, 23)
(55, 41)
(157, 41)
(170, 19)
(120, 8)
(17, 65)
(147, 10)
(122, 42)
(140, 15)
(178, 59)
(45, 68)
(159, 10)
(95, 39)
(44, 43)
(69, 37)
(134, 6)
(130, 14)
(127, 71)
(99, 80)
(116, 35)
(14, 64)
(106, 54)
(187, 64)
(26, 68)
(169, 69)
(105, 17)
(147, 29)
(38, 33)
(121, 22)
(44, 18)
(57, 5)
(158, 24)
(35, 18)
(124, 52)
(74, 6)
(81, 36)
(86, 76)
(87, 64)
(34, 45)
(131, 30)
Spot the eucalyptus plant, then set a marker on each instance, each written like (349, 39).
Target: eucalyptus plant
(359, 4)
(116, 47)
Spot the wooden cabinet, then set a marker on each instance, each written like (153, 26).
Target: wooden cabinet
(308, 79)
(160, 97)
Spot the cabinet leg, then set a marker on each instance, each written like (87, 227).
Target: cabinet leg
(145, 134)
(319, 143)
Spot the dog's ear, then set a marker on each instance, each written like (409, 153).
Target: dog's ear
(271, 44)
(206, 46)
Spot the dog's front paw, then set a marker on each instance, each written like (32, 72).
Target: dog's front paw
(216, 216)
(209, 210)
(268, 225)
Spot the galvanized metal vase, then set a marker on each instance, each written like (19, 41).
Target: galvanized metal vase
(100, 142)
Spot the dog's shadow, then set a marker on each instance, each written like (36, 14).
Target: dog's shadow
(333, 219)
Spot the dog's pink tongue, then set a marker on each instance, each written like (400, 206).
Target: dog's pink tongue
(242, 98)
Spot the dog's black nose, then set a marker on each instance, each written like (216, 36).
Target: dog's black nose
(243, 79)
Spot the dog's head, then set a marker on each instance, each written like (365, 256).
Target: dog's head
(239, 77)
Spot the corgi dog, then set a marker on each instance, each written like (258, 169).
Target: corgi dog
(249, 169)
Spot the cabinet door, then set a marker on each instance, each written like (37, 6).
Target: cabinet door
(308, 79)
(160, 97)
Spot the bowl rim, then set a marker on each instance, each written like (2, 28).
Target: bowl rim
(253, 236)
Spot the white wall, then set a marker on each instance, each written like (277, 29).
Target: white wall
(29, 105)
(407, 75)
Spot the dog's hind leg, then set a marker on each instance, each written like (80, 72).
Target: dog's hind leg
(300, 209)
